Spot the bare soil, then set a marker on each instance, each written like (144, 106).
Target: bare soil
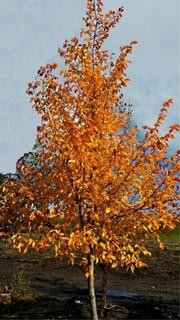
(61, 290)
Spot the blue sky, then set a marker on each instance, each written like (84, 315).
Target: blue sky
(31, 32)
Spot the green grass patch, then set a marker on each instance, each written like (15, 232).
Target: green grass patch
(171, 236)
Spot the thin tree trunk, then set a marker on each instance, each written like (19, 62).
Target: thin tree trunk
(104, 285)
(92, 296)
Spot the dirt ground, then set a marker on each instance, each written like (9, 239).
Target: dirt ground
(62, 290)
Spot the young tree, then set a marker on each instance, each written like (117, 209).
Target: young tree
(100, 193)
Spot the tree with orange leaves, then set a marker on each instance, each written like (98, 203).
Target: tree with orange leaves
(100, 192)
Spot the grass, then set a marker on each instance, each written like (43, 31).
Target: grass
(171, 236)
(20, 285)
(171, 240)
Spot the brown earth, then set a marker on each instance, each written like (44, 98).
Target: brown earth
(62, 290)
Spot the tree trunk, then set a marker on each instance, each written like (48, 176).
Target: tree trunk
(92, 296)
(104, 285)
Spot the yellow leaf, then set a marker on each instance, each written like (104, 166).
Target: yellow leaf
(161, 245)
(102, 245)
(87, 274)
(71, 161)
(96, 260)
(114, 265)
(108, 210)
(103, 233)
(32, 243)
(52, 212)
(146, 252)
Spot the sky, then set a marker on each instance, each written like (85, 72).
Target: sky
(31, 32)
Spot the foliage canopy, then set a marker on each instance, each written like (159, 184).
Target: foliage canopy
(99, 190)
